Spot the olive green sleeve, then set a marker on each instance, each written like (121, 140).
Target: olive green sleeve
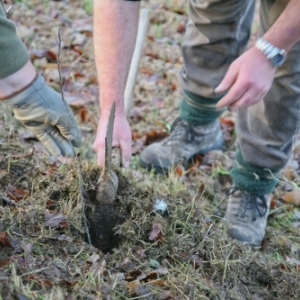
(13, 52)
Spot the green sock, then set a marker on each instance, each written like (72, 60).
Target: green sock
(198, 110)
(253, 179)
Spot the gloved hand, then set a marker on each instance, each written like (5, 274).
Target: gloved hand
(42, 110)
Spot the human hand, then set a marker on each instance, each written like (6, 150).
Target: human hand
(247, 80)
(121, 137)
(43, 111)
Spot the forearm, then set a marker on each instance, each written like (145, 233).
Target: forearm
(115, 29)
(285, 31)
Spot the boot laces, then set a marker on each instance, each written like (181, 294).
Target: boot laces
(180, 128)
(250, 203)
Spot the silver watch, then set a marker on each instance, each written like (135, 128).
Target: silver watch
(275, 55)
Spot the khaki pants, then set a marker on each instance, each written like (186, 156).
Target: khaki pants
(12, 51)
(217, 33)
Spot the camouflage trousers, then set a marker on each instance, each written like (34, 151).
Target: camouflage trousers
(217, 33)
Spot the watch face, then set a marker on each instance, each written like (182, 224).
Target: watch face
(278, 60)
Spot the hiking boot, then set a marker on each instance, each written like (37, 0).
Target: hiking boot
(185, 141)
(247, 216)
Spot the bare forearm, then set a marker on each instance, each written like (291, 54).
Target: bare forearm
(115, 28)
(285, 31)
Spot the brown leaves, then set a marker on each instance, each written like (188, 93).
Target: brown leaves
(292, 197)
(4, 240)
(38, 54)
(54, 219)
(157, 233)
(15, 193)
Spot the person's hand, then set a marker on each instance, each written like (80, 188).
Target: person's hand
(121, 137)
(43, 111)
(247, 80)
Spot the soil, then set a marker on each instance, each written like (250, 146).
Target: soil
(178, 252)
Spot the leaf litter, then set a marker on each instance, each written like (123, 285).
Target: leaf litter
(182, 254)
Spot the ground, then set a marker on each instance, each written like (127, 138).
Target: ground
(182, 252)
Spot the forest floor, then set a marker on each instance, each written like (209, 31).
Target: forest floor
(181, 253)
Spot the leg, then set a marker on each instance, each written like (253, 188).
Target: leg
(266, 132)
(217, 32)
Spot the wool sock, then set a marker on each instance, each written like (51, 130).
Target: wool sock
(253, 179)
(198, 110)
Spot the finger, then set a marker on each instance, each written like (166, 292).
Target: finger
(67, 126)
(228, 80)
(54, 142)
(47, 141)
(249, 98)
(100, 150)
(235, 93)
(126, 153)
(65, 146)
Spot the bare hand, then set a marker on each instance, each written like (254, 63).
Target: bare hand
(247, 80)
(121, 138)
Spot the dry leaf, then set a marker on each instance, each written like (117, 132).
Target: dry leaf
(15, 193)
(180, 170)
(181, 27)
(166, 295)
(292, 261)
(54, 219)
(227, 121)
(292, 197)
(157, 232)
(4, 240)
(84, 115)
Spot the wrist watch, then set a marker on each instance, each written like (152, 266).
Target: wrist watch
(275, 55)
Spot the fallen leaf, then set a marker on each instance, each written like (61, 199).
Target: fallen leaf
(38, 53)
(15, 193)
(180, 171)
(227, 121)
(132, 285)
(181, 27)
(84, 115)
(166, 295)
(292, 261)
(54, 219)
(29, 260)
(147, 71)
(4, 240)
(292, 197)
(273, 203)
(156, 232)
(65, 238)
(78, 99)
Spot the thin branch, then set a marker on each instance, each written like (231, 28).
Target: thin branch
(77, 159)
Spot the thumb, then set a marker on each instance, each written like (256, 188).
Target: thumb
(227, 81)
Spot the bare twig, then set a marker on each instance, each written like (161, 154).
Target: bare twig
(77, 159)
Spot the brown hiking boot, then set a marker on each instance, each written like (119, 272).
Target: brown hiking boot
(185, 141)
(247, 215)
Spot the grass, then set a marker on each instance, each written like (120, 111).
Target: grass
(191, 258)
